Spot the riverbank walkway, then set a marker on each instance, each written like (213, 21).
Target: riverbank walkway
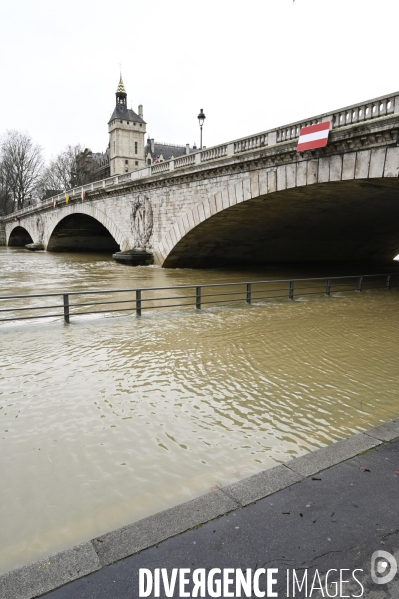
(330, 509)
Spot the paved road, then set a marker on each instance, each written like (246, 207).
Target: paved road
(336, 519)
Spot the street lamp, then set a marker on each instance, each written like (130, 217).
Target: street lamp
(201, 119)
(74, 176)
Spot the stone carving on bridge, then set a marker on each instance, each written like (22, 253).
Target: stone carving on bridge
(40, 228)
(142, 222)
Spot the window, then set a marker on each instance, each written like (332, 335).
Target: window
(126, 170)
(141, 125)
(149, 161)
(126, 161)
(136, 163)
(121, 121)
(127, 122)
(135, 147)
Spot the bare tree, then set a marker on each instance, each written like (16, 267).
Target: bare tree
(5, 191)
(22, 167)
(62, 172)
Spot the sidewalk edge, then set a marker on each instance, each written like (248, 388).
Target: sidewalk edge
(57, 570)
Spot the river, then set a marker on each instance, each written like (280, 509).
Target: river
(110, 419)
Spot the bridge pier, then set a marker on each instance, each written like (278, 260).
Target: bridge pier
(3, 239)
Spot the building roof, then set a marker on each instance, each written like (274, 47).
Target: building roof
(127, 114)
(167, 150)
(121, 111)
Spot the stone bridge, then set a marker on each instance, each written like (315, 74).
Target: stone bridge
(252, 200)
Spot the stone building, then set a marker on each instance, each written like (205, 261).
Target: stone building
(126, 135)
(100, 166)
(127, 150)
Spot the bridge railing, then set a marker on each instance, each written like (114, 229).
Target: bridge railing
(214, 153)
(251, 143)
(159, 167)
(113, 301)
(356, 113)
(186, 160)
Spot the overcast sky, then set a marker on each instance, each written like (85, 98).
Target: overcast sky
(251, 65)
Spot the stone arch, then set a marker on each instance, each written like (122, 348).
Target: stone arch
(376, 168)
(20, 235)
(93, 212)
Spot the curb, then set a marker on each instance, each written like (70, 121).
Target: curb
(50, 573)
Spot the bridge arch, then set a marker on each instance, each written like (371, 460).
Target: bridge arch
(84, 228)
(340, 207)
(20, 236)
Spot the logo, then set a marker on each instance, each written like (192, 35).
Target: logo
(383, 567)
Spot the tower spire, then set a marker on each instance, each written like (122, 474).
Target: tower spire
(121, 94)
(121, 87)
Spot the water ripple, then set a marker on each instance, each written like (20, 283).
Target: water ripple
(111, 419)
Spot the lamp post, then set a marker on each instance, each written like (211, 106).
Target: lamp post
(74, 176)
(201, 119)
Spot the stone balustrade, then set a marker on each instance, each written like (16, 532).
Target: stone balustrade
(364, 112)
(183, 161)
(251, 143)
(125, 177)
(213, 153)
(159, 167)
(97, 184)
(357, 113)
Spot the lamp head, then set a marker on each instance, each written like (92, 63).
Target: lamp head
(201, 117)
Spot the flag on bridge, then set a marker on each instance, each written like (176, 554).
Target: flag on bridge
(314, 136)
(54, 203)
(83, 194)
(66, 198)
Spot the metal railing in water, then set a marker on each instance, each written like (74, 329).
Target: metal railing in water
(146, 298)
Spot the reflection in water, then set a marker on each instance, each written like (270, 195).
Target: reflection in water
(108, 420)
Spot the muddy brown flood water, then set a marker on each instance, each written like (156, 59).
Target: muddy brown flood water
(110, 419)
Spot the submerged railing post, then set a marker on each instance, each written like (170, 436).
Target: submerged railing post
(198, 298)
(360, 284)
(291, 292)
(249, 293)
(66, 307)
(388, 282)
(138, 302)
(328, 286)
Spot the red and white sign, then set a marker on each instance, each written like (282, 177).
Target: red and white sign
(314, 136)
